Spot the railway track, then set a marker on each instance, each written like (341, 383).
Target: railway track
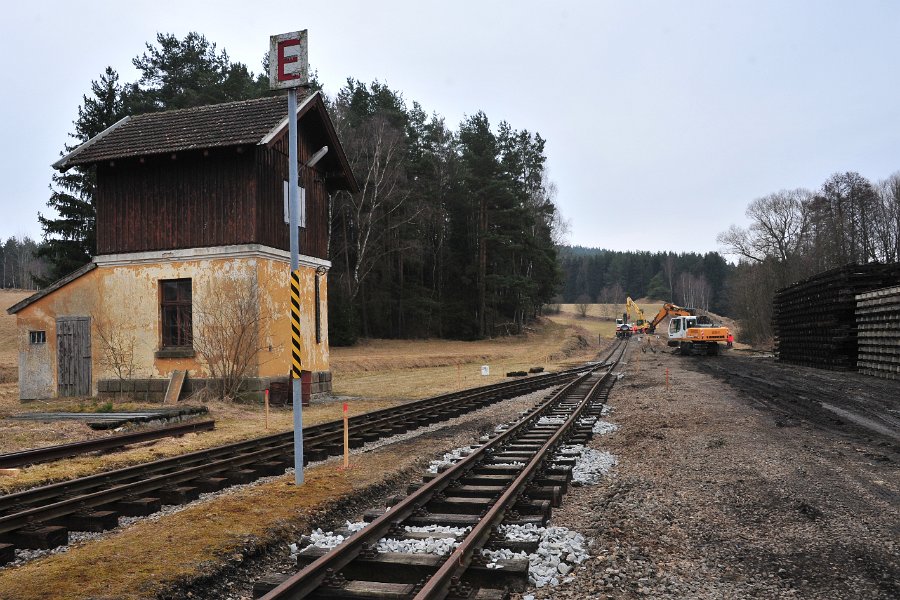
(41, 518)
(50, 453)
(515, 478)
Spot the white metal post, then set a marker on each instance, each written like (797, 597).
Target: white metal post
(294, 202)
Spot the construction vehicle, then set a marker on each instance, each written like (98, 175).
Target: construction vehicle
(623, 328)
(690, 333)
(641, 325)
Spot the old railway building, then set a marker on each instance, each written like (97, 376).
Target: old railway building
(191, 218)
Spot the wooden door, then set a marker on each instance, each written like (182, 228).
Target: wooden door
(73, 356)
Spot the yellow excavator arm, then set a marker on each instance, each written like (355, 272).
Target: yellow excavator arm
(666, 310)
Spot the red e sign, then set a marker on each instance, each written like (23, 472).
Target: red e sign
(284, 59)
(288, 65)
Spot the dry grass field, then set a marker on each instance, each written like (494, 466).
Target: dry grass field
(374, 374)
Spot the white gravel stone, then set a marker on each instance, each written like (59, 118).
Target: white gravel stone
(449, 458)
(559, 551)
(457, 531)
(439, 546)
(604, 427)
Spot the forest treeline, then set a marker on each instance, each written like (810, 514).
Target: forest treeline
(794, 234)
(452, 231)
(20, 265)
(608, 276)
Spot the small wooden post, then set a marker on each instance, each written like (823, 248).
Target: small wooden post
(346, 439)
(267, 409)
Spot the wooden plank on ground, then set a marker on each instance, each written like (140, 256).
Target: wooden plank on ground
(175, 384)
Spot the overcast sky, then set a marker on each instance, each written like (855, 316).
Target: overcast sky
(662, 119)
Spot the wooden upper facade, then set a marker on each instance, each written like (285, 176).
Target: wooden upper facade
(211, 176)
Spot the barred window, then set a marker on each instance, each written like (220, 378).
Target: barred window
(175, 307)
(37, 337)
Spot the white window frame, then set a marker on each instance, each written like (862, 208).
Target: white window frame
(287, 205)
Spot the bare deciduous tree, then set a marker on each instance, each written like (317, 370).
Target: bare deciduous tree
(117, 347)
(694, 291)
(612, 296)
(778, 223)
(581, 306)
(228, 321)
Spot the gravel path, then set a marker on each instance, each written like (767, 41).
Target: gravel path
(714, 497)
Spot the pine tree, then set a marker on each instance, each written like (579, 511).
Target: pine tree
(190, 72)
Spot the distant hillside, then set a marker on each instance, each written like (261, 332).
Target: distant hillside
(608, 276)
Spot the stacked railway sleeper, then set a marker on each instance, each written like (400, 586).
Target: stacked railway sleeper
(42, 517)
(815, 320)
(878, 324)
(472, 515)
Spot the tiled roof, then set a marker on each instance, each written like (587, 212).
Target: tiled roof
(217, 125)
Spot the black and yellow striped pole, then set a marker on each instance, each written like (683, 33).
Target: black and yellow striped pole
(296, 371)
(296, 360)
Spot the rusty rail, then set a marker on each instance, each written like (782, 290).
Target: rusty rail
(41, 455)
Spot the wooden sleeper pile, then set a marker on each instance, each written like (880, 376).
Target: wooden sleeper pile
(878, 337)
(815, 320)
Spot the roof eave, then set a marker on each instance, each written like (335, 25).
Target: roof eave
(352, 184)
(63, 164)
(302, 107)
(52, 288)
(316, 99)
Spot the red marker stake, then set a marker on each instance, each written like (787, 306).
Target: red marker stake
(346, 439)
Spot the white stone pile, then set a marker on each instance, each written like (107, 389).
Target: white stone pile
(606, 410)
(602, 427)
(450, 458)
(457, 531)
(590, 465)
(430, 545)
(559, 551)
(514, 463)
(551, 421)
(327, 539)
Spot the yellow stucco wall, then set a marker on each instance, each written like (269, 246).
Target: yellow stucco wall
(276, 331)
(123, 303)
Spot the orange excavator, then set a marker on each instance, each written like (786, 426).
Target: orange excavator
(690, 333)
